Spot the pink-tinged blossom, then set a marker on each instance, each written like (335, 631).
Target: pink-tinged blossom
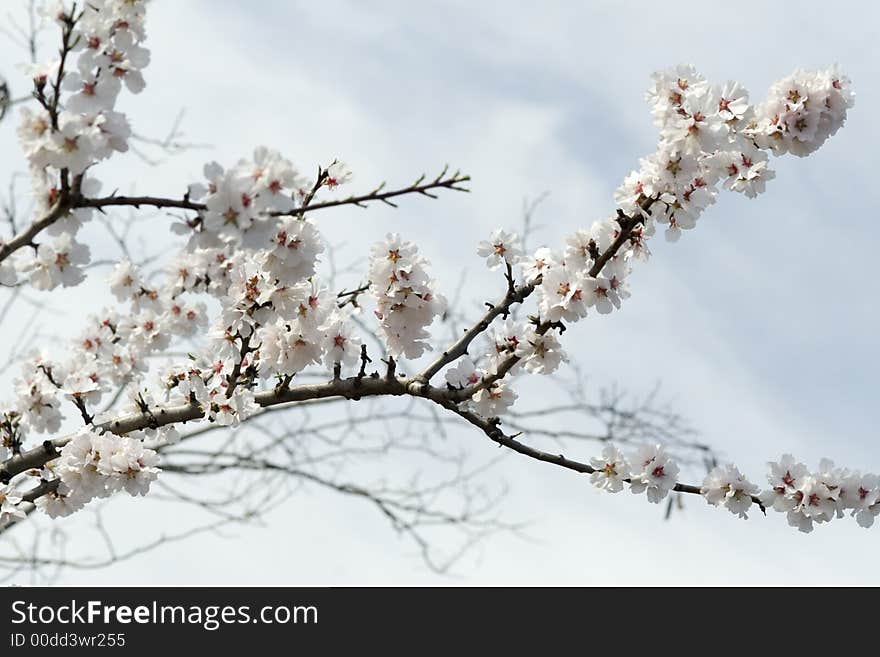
(10, 506)
(726, 486)
(337, 174)
(94, 465)
(124, 281)
(502, 248)
(232, 411)
(493, 400)
(538, 263)
(733, 102)
(540, 354)
(652, 472)
(406, 298)
(563, 295)
(464, 373)
(55, 263)
(341, 345)
(611, 470)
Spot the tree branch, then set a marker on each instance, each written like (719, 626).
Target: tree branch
(350, 388)
(449, 182)
(74, 200)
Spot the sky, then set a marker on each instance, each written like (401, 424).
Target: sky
(759, 325)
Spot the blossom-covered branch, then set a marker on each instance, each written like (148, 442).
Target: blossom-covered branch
(253, 251)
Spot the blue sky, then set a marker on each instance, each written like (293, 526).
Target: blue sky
(760, 325)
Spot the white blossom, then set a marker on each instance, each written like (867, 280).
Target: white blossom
(538, 263)
(611, 469)
(94, 464)
(464, 373)
(653, 472)
(341, 344)
(725, 485)
(406, 298)
(501, 248)
(57, 263)
(541, 354)
(10, 509)
(494, 400)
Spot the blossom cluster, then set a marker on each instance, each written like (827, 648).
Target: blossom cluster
(110, 352)
(533, 351)
(268, 328)
(806, 497)
(726, 486)
(710, 137)
(65, 137)
(648, 470)
(239, 197)
(802, 111)
(275, 320)
(406, 297)
(254, 250)
(96, 465)
(813, 497)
